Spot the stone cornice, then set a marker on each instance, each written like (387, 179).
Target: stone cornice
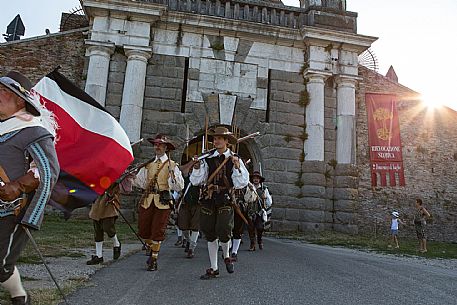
(341, 79)
(316, 73)
(242, 29)
(347, 41)
(135, 11)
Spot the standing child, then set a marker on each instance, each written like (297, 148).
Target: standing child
(394, 227)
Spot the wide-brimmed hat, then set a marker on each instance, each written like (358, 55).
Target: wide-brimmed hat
(256, 174)
(222, 132)
(395, 214)
(21, 86)
(162, 139)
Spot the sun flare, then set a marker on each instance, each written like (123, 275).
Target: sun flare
(431, 102)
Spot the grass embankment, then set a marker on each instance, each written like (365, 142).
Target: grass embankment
(59, 238)
(379, 244)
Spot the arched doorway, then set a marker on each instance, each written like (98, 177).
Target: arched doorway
(244, 150)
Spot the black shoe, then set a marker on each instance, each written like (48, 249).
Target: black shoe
(229, 265)
(23, 300)
(210, 274)
(187, 247)
(234, 257)
(117, 252)
(184, 243)
(260, 245)
(190, 253)
(95, 260)
(152, 264)
(179, 241)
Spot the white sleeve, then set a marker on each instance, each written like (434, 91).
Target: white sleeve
(178, 184)
(240, 177)
(199, 176)
(141, 179)
(268, 200)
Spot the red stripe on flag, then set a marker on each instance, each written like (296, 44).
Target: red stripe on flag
(94, 159)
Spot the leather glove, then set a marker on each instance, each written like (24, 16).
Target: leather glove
(13, 190)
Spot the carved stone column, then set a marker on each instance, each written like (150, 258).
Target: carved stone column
(133, 94)
(97, 74)
(314, 145)
(345, 118)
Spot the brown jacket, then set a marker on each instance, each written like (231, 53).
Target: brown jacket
(103, 207)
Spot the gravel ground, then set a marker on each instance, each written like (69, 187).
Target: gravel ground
(68, 268)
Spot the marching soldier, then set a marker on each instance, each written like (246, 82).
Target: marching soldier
(189, 211)
(28, 172)
(104, 216)
(220, 173)
(258, 210)
(239, 220)
(158, 179)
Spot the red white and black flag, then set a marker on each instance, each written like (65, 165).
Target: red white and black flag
(92, 148)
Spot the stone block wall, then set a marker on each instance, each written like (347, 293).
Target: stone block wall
(430, 161)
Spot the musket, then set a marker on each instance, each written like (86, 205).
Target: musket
(137, 142)
(134, 169)
(128, 223)
(249, 136)
(187, 142)
(205, 140)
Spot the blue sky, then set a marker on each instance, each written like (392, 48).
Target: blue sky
(415, 36)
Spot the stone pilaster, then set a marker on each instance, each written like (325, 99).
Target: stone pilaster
(133, 93)
(345, 135)
(315, 118)
(97, 75)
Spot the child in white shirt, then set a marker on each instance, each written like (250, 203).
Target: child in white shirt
(394, 227)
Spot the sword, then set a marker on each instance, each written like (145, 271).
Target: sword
(44, 262)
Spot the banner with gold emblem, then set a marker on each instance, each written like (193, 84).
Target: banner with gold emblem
(384, 140)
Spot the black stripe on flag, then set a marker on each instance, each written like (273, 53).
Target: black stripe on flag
(68, 87)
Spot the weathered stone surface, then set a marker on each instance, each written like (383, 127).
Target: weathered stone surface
(345, 205)
(346, 182)
(344, 218)
(293, 214)
(310, 216)
(313, 167)
(345, 228)
(314, 179)
(345, 194)
(312, 227)
(313, 191)
(285, 226)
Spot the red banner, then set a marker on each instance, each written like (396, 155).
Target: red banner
(384, 140)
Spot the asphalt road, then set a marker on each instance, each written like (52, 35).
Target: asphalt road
(285, 272)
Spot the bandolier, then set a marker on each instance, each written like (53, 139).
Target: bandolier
(158, 179)
(219, 174)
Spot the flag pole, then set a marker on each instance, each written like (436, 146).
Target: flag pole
(44, 262)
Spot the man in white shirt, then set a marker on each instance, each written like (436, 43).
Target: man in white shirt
(258, 210)
(158, 179)
(219, 173)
